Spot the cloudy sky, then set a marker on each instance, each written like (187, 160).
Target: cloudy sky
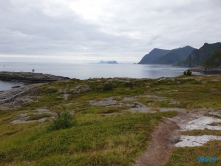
(92, 30)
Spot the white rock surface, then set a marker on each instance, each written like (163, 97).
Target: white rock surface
(202, 123)
(192, 141)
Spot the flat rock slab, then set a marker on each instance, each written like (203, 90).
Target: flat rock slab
(139, 107)
(203, 123)
(105, 102)
(9, 95)
(29, 77)
(18, 121)
(192, 141)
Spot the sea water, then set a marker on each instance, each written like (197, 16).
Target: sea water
(85, 71)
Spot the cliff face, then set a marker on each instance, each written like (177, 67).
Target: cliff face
(199, 56)
(214, 61)
(176, 55)
(153, 56)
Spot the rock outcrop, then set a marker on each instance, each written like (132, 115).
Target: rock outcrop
(29, 77)
(9, 96)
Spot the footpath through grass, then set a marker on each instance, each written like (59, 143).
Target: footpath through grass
(93, 140)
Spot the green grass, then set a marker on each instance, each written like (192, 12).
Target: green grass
(189, 155)
(94, 140)
(105, 135)
(202, 132)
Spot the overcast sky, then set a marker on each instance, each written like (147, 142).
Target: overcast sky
(93, 30)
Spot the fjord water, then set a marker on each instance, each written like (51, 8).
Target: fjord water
(4, 85)
(85, 71)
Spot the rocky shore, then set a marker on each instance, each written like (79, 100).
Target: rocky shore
(17, 97)
(206, 70)
(29, 77)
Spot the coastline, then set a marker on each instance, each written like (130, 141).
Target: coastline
(28, 77)
(206, 70)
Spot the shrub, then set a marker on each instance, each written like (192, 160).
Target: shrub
(129, 84)
(187, 72)
(108, 87)
(63, 120)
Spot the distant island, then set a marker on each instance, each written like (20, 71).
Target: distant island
(107, 62)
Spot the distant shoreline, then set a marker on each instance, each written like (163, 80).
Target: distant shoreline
(29, 77)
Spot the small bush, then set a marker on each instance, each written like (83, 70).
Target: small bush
(187, 72)
(129, 84)
(108, 87)
(64, 120)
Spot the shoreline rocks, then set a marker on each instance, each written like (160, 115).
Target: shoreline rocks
(10, 95)
(29, 77)
(206, 70)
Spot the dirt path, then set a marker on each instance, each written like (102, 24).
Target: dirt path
(164, 138)
(161, 146)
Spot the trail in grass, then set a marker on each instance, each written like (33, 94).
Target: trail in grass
(161, 146)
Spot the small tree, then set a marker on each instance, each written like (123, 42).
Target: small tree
(187, 72)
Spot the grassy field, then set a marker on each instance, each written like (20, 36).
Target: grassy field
(105, 135)
(93, 140)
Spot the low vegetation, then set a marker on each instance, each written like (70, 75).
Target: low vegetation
(187, 72)
(63, 120)
(93, 140)
(94, 124)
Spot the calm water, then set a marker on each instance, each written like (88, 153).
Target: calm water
(7, 85)
(85, 71)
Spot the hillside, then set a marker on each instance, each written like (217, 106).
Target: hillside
(112, 121)
(211, 65)
(199, 56)
(153, 56)
(214, 61)
(176, 55)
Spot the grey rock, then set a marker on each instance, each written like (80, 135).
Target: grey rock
(29, 77)
(80, 88)
(105, 102)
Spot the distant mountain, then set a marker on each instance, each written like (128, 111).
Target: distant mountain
(214, 61)
(199, 56)
(176, 55)
(108, 62)
(153, 56)
(211, 65)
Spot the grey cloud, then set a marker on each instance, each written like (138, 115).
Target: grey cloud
(126, 28)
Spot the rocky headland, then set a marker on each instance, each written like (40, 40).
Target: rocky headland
(29, 77)
(211, 65)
